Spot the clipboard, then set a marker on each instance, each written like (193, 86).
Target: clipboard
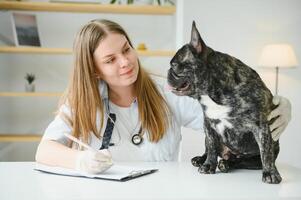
(115, 173)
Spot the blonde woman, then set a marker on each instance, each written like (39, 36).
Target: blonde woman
(112, 103)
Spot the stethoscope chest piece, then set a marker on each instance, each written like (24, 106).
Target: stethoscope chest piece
(137, 139)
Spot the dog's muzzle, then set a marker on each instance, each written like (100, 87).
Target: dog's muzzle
(179, 84)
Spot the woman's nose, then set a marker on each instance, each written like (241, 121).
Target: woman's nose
(124, 61)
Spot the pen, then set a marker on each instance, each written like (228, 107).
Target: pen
(74, 139)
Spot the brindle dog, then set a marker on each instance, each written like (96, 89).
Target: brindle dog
(235, 104)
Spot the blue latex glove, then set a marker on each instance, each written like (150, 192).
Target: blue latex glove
(284, 112)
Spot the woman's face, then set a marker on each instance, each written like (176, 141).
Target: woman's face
(116, 61)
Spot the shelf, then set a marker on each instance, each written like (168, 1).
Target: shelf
(30, 94)
(20, 138)
(42, 50)
(88, 8)
(156, 53)
(35, 50)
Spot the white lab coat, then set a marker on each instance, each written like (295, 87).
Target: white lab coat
(185, 111)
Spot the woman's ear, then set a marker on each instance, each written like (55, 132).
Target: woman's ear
(97, 74)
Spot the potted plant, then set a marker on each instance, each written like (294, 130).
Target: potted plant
(29, 86)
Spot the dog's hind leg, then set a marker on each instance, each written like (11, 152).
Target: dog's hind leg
(253, 162)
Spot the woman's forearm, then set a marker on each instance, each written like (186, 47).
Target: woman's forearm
(55, 154)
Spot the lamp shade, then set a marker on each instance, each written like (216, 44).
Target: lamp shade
(278, 55)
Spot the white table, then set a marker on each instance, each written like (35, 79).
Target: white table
(174, 180)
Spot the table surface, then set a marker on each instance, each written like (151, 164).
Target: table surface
(174, 180)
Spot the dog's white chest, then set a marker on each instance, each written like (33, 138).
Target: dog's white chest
(216, 111)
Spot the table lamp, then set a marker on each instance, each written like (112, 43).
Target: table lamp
(278, 56)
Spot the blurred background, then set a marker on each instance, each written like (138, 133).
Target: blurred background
(239, 28)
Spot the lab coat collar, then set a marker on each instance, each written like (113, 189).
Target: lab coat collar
(103, 90)
(104, 93)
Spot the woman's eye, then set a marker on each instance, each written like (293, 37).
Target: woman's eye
(126, 50)
(111, 60)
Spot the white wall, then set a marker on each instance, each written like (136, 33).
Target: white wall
(242, 28)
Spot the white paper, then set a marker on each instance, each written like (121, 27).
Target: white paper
(116, 172)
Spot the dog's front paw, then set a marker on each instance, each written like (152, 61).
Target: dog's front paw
(198, 160)
(272, 177)
(207, 169)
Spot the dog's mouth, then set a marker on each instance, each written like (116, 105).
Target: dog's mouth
(184, 87)
(180, 84)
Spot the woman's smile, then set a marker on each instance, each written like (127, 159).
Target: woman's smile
(127, 73)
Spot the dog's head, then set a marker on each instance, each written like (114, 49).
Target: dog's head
(187, 67)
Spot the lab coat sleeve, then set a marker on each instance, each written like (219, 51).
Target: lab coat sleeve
(187, 111)
(59, 126)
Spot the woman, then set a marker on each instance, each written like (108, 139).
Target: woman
(111, 102)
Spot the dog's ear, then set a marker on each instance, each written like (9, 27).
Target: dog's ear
(196, 40)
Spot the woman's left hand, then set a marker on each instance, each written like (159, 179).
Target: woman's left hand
(283, 110)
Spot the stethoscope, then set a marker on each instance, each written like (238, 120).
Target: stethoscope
(137, 138)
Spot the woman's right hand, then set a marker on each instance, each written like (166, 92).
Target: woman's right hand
(93, 162)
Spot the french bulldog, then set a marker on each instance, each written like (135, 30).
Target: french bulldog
(236, 104)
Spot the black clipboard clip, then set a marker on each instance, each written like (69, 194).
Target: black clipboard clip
(138, 173)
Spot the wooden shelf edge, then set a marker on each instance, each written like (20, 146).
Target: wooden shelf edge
(35, 50)
(166, 53)
(88, 8)
(20, 138)
(31, 94)
(42, 50)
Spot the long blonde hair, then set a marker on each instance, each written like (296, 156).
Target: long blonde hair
(83, 97)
